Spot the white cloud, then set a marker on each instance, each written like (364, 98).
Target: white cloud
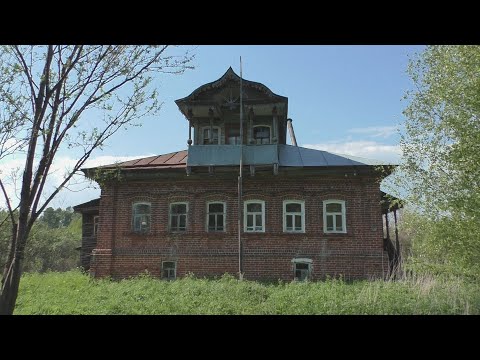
(79, 189)
(375, 131)
(362, 148)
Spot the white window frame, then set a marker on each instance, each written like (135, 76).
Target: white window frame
(140, 231)
(213, 128)
(309, 262)
(224, 216)
(285, 214)
(170, 215)
(253, 134)
(96, 221)
(174, 270)
(342, 213)
(245, 215)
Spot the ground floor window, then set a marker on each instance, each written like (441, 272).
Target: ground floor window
(302, 269)
(169, 270)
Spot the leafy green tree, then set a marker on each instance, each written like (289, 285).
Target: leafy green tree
(441, 152)
(46, 93)
(441, 143)
(48, 248)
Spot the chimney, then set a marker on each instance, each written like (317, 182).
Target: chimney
(292, 133)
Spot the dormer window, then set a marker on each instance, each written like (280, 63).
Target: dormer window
(211, 139)
(261, 134)
(234, 136)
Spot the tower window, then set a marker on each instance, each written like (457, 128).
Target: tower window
(261, 134)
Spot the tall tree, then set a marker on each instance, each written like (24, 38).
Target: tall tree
(441, 152)
(441, 143)
(46, 93)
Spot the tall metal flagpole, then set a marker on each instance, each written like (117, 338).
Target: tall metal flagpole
(240, 267)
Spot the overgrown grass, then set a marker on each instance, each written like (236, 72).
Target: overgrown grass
(75, 293)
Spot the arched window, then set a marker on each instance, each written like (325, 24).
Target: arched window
(294, 216)
(178, 216)
(141, 217)
(216, 211)
(334, 219)
(254, 216)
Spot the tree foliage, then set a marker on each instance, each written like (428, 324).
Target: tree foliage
(441, 152)
(66, 98)
(441, 143)
(52, 245)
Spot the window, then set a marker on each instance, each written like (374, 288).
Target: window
(141, 217)
(234, 136)
(261, 134)
(293, 216)
(95, 225)
(302, 269)
(169, 270)
(334, 216)
(254, 216)
(178, 217)
(216, 216)
(208, 139)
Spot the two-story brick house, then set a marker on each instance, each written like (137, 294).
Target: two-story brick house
(302, 213)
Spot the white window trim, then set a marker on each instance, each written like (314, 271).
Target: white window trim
(302, 213)
(170, 216)
(245, 216)
(175, 269)
(343, 213)
(224, 216)
(213, 127)
(149, 215)
(260, 125)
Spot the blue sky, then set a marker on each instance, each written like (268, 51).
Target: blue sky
(335, 93)
(344, 99)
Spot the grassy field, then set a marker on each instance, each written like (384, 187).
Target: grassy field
(75, 293)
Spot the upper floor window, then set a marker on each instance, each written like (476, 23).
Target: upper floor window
(254, 216)
(178, 216)
(95, 225)
(334, 219)
(234, 136)
(216, 216)
(141, 217)
(261, 134)
(208, 138)
(293, 216)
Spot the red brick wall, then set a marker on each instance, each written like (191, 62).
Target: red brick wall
(356, 254)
